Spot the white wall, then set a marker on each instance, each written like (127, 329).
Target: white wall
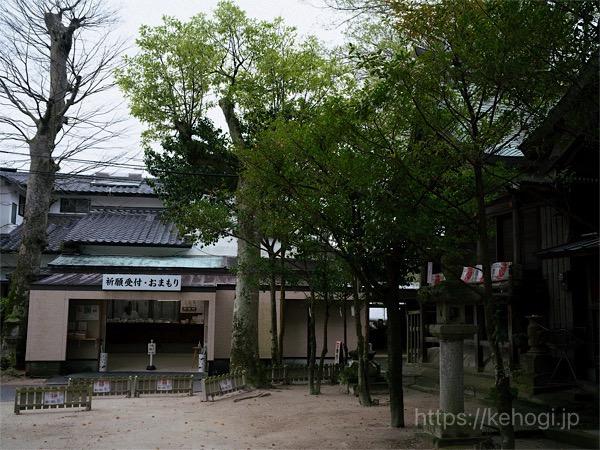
(8, 195)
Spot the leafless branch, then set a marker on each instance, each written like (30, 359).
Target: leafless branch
(25, 72)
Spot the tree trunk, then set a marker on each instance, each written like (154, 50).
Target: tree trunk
(312, 346)
(395, 337)
(281, 309)
(344, 349)
(364, 394)
(273, 295)
(244, 331)
(33, 243)
(42, 170)
(324, 350)
(502, 391)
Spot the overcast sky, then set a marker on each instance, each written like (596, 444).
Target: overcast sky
(309, 16)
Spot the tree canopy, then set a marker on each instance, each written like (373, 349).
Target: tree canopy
(255, 72)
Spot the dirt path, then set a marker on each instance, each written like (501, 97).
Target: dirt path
(284, 417)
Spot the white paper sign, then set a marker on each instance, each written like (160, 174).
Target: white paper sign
(102, 386)
(54, 398)
(164, 385)
(226, 385)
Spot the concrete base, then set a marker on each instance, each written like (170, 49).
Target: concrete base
(532, 362)
(536, 368)
(447, 429)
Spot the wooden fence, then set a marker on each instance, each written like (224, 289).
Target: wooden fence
(163, 384)
(105, 386)
(222, 384)
(413, 337)
(50, 397)
(290, 373)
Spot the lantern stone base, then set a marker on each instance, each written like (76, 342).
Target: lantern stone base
(536, 367)
(447, 429)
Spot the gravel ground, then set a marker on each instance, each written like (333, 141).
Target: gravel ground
(285, 417)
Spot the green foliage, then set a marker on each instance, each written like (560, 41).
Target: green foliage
(484, 74)
(4, 306)
(10, 314)
(331, 184)
(349, 374)
(257, 67)
(170, 79)
(5, 363)
(196, 179)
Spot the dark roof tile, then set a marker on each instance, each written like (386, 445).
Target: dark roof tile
(56, 230)
(104, 227)
(131, 227)
(99, 184)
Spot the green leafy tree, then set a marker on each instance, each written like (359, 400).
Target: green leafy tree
(255, 72)
(328, 279)
(339, 184)
(486, 73)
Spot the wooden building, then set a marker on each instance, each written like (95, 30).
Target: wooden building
(117, 275)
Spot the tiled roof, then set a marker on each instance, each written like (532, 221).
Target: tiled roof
(587, 245)
(104, 227)
(59, 226)
(101, 184)
(19, 178)
(68, 262)
(127, 227)
(88, 184)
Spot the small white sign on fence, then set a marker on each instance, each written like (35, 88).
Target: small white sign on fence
(226, 385)
(54, 398)
(102, 386)
(164, 385)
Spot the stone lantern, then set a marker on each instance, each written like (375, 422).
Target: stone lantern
(450, 297)
(536, 362)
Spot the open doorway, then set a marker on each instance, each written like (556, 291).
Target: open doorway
(377, 328)
(175, 328)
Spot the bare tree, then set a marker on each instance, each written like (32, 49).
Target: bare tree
(54, 55)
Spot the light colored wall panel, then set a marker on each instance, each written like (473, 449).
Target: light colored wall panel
(47, 330)
(264, 325)
(296, 335)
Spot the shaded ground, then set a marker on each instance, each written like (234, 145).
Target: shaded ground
(285, 417)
